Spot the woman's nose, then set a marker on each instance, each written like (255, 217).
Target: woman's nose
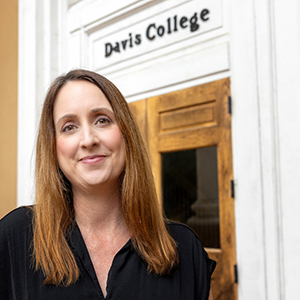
(89, 137)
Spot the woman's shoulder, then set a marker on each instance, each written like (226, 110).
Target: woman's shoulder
(17, 220)
(181, 232)
(189, 246)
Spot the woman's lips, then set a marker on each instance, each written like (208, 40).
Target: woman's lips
(93, 159)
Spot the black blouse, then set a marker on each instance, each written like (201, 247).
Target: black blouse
(127, 278)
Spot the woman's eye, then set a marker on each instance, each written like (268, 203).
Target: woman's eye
(68, 128)
(103, 121)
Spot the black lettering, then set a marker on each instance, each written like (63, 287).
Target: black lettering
(203, 13)
(124, 43)
(148, 32)
(108, 49)
(130, 40)
(193, 23)
(169, 25)
(138, 39)
(161, 30)
(175, 22)
(182, 22)
(117, 47)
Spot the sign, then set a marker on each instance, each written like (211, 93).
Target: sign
(176, 24)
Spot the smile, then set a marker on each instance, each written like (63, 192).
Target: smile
(93, 159)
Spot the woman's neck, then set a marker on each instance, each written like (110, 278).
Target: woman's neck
(96, 210)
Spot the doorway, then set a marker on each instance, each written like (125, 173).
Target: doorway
(188, 133)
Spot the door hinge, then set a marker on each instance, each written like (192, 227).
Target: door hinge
(235, 274)
(232, 188)
(229, 105)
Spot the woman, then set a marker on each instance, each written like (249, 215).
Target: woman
(97, 228)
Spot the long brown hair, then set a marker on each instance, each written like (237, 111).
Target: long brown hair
(53, 212)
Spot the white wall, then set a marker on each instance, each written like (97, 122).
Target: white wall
(265, 47)
(255, 42)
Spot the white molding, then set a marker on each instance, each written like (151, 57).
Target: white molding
(94, 14)
(72, 2)
(26, 100)
(134, 82)
(269, 146)
(246, 154)
(38, 64)
(286, 23)
(179, 86)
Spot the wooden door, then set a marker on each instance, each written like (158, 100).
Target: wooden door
(196, 123)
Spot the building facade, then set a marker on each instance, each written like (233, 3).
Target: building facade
(212, 81)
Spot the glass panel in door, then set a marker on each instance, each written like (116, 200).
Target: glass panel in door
(190, 191)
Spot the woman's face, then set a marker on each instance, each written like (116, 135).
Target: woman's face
(89, 144)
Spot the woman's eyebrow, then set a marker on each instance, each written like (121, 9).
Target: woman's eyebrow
(93, 111)
(101, 109)
(67, 116)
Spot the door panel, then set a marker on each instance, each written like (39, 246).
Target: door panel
(194, 124)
